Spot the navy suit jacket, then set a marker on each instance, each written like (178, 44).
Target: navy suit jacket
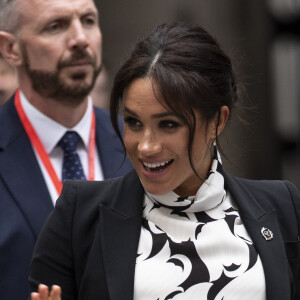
(89, 244)
(25, 202)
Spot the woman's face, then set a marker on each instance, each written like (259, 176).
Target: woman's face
(157, 143)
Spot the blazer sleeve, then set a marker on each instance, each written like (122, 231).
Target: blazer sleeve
(295, 196)
(52, 261)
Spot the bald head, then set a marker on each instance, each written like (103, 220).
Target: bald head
(9, 15)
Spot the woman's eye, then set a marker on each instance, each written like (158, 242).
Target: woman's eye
(167, 124)
(133, 123)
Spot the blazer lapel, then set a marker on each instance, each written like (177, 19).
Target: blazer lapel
(272, 252)
(108, 144)
(21, 173)
(120, 226)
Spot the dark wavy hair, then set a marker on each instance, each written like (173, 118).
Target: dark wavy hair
(189, 72)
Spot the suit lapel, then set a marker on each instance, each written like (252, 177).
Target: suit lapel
(272, 252)
(120, 227)
(20, 171)
(109, 147)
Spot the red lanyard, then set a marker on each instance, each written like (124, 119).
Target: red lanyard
(35, 141)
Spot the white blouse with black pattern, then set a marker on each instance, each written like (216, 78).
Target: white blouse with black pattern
(196, 248)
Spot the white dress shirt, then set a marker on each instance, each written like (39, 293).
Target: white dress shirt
(50, 132)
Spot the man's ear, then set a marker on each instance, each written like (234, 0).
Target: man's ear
(10, 48)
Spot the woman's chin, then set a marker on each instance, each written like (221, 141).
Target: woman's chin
(155, 190)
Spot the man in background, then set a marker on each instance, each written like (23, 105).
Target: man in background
(8, 80)
(101, 90)
(49, 129)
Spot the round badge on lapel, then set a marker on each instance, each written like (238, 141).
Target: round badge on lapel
(267, 233)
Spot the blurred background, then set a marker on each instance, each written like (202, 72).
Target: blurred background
(262, 37)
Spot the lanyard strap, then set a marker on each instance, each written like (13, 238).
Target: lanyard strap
(36, 142)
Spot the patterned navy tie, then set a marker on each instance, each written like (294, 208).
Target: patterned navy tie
(72, 168)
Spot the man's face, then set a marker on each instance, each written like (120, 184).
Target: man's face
(61, 47)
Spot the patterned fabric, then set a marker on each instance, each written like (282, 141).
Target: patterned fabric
(72, 168)
(197, 248)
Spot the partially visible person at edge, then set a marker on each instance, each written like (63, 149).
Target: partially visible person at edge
(178, 226)
(55, 47)
(8, 80)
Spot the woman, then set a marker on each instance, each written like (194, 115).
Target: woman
(178, 226)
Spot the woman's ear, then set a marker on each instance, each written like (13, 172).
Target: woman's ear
(10, 48)
(223, 118)
(219, 122)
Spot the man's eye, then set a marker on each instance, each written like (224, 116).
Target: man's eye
(54, 27)
(167, 124)
(133, 123)
(89, 21)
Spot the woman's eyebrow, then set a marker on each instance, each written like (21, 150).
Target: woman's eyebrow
(155, 116)
(129, 111)
(162, 115)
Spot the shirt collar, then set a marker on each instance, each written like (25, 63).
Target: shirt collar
(210, 194)
(41, 124)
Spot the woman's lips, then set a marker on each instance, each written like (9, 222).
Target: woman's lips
(155, 168)
(152, 167)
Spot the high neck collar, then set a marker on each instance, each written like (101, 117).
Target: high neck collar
(209, 195)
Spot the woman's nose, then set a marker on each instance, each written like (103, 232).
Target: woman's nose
(149, 144)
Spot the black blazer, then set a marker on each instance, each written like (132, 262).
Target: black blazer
(25, 202)
(89, 243)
